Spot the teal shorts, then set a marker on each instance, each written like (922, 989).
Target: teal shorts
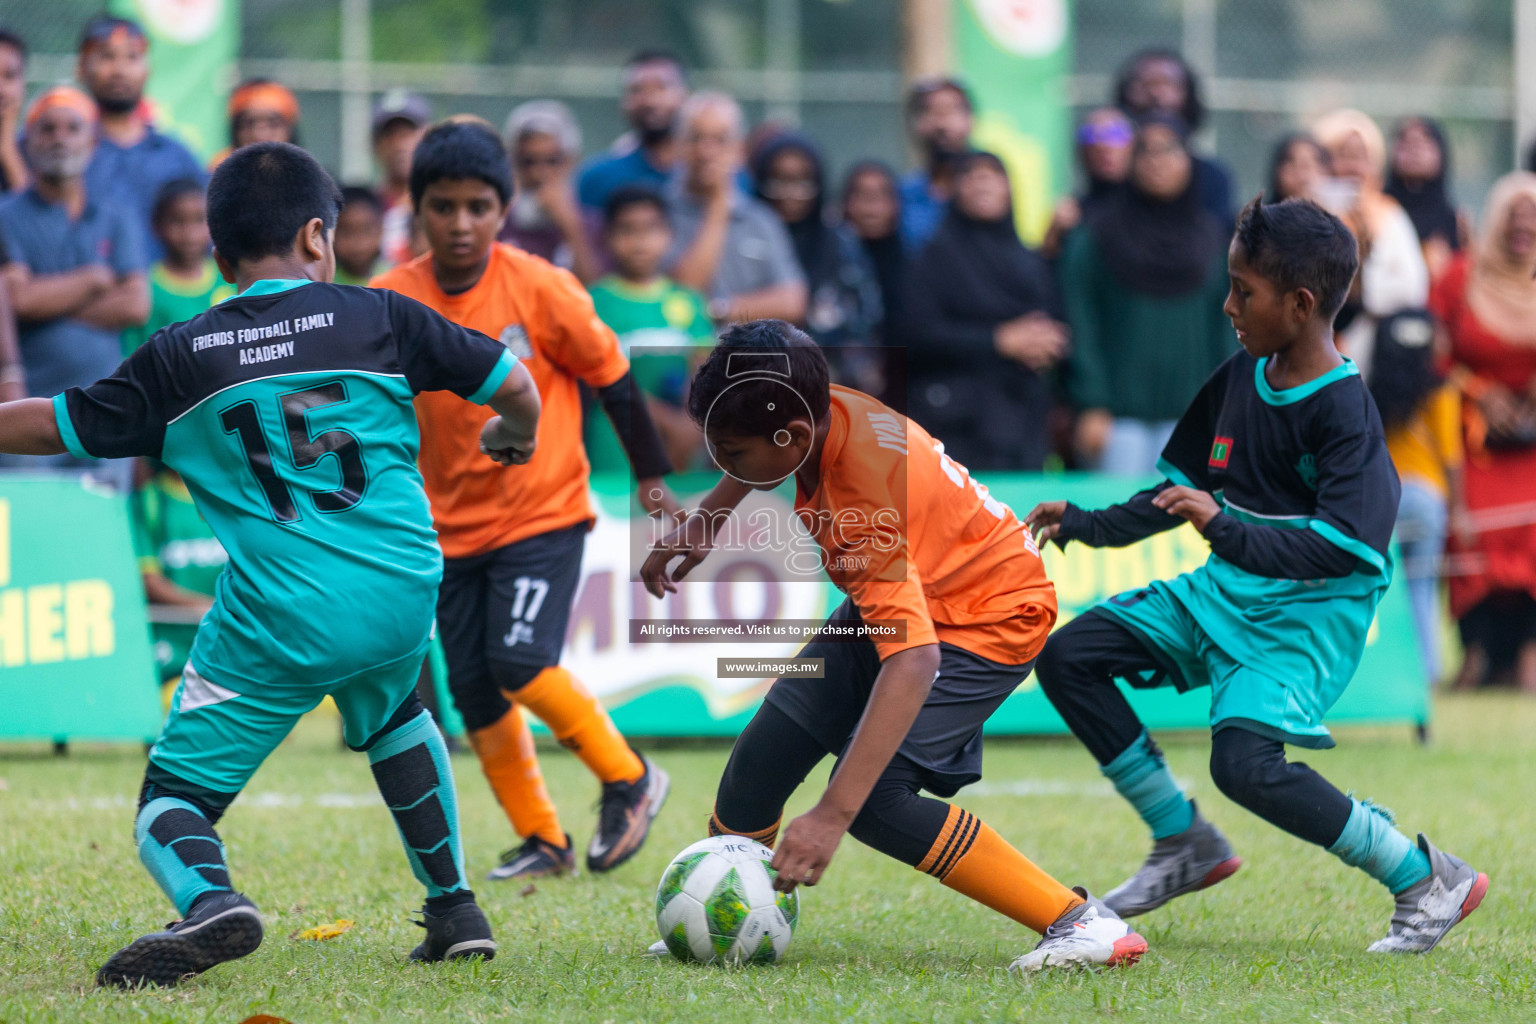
(1285, 706)
(217, 736)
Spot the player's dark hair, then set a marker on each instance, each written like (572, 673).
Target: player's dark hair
(362, 195)
(925, 88)
(630, 196)
(168, 194)
(657, 56)
(261, 197)
(15, 42)
(1403, 366)
(1193, 111)
(741, 386)
(460, 150)
(1298, 244)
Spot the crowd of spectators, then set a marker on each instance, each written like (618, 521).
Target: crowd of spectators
(1079, 352)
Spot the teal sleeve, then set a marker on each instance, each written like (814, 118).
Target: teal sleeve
(67, 429)
(494, 379)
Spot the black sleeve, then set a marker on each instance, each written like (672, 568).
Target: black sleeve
(437, 354)
(1118, 525)
(1186, 457)
(123, 415)
(1280, 554)
(625, 405)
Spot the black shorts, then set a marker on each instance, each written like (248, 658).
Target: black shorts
(945, 740)
(502, 617)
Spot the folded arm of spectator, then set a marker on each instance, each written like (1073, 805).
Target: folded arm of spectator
(558, 198)
(37, 297)
(785, 301)
(125, 304)
(697, 265)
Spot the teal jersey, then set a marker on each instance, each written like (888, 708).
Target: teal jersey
(287, 412)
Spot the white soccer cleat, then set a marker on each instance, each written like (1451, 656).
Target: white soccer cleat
(1432, 907)
(657, 950)
(1088, 935)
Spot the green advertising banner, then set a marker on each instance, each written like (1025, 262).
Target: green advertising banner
(74, 645)
(674, 689)
(1015, 55)
(193, 46)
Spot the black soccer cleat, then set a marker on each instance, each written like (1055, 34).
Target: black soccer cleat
(221, 926)
(624, 817)
(536, 858)
(460, 932)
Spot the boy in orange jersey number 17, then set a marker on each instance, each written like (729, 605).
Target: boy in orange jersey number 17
(512, 538)
(959, 580)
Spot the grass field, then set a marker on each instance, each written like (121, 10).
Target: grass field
(1282, 941)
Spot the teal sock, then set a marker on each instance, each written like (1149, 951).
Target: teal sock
(410, 766)
(183, 853)
(1141, 776)
(1371, 843)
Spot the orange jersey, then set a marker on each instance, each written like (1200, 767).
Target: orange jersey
(910, 536)
(545, 317)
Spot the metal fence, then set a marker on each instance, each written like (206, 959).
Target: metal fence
(833, 66)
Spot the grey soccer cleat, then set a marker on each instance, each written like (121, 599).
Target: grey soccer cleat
(1088, 935)
(1195, 859)
(1430, 908)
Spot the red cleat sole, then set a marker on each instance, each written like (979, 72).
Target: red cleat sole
(1127, 951)
(1221, 872)
(1475, 897)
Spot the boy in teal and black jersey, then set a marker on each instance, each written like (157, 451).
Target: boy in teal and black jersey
(1280, 462)
(287, 412)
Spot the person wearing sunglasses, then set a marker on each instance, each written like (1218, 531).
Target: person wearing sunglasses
(544, 217)
(1104, 142)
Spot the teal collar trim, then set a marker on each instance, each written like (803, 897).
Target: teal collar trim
(274, 285)
(1300, 391)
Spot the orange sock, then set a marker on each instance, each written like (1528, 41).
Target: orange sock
(765, 836)
(511, 765)
(581, 724)
(975, 861)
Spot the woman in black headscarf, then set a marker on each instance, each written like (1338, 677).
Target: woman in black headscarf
(872, 211)
(843, 305)
(1296, 167)
(1144, 287)
(1418, 170)
(982, 330)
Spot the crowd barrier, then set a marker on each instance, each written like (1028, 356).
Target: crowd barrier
(75, 659)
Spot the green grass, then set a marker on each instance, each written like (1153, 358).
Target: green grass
(1284, 940)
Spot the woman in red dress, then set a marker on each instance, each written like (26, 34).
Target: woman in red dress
(1487, 300)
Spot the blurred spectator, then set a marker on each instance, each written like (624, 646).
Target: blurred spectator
(1160, 81)
(1487, 301)
(1418, 171)
(648, 310)
(1144, 286)
(13, 96)
(1299, 163)
(1421, 414)
(1104, 153)
(940, 116)
(1393, 277)
(186, 281)
(13, 378)
(728, 245)
(399, 121)
(260, 110)
(655, 86)
(981, 329)
(359, 239)
(75, 270)
(133, 161)
(544, 217)
(844, 296)
(872, 210)
(179, 562)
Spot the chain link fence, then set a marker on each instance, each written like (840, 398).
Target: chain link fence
(833, 66)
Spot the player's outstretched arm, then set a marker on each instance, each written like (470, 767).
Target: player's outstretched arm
(29, 427)
(509, 436)
(900, 689)
(1113, 527)
(693, 539)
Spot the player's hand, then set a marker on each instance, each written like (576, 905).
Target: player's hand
(502, 445)
(1195, 506)
(692, 541)
(806, 848)
(1044, 521)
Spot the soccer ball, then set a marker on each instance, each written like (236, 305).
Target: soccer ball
(716, 903)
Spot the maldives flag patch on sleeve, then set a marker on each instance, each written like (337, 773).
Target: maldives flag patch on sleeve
(1221, 452)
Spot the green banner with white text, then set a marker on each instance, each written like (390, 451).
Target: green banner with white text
(193, 46)
(1016, 56)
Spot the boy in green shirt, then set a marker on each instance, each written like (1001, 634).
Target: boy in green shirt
(179, 560)
(186, 282)
(646, 308)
